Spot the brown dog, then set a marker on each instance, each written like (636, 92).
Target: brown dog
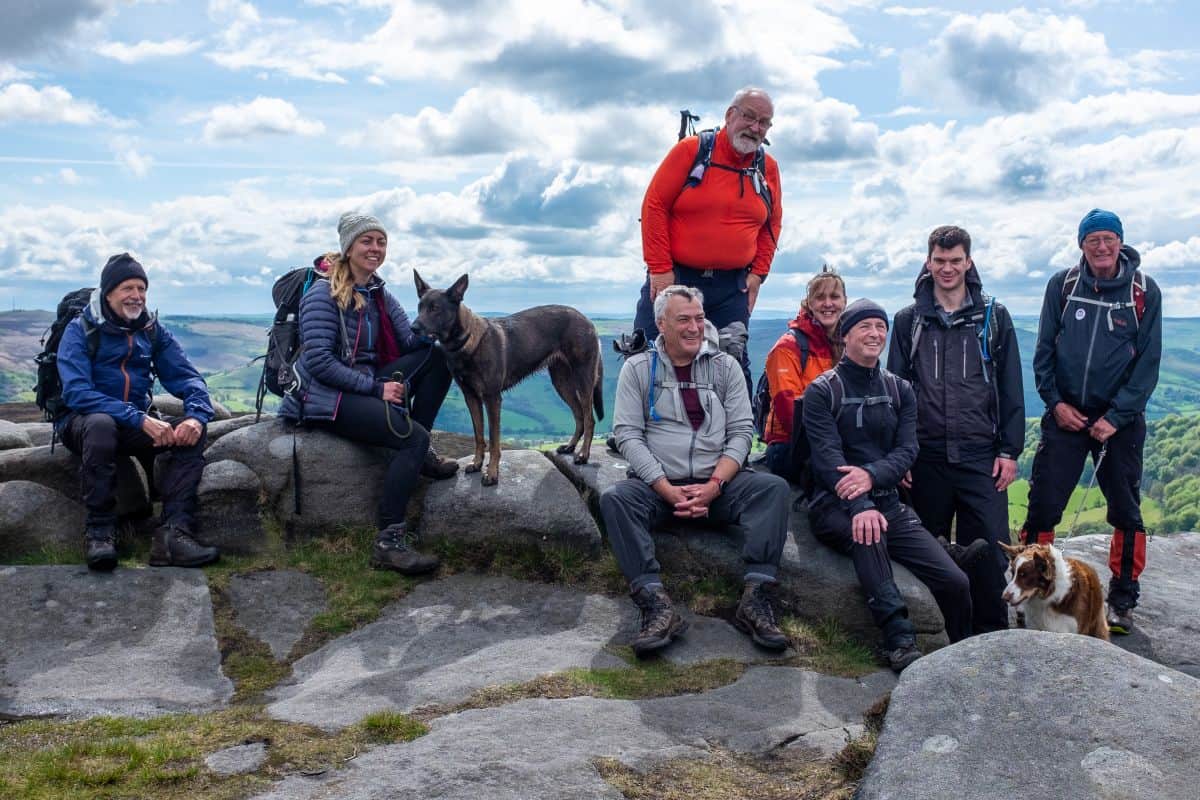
(488, 356)
(1057, 593)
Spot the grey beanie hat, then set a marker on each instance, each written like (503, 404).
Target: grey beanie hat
(353, 225)
(859, 310)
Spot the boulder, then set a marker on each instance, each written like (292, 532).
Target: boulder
(33, 518)
(1167, 619)
(276, 606)
(604, 468)
(219, 427)
(532, 503)
(133, 642)
(40, 433)
(171, 406)
(340, 481)
(13, 436)
(229, 515)
(1032, 714)
(60, 471)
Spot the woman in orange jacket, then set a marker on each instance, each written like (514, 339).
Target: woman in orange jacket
(789, 371)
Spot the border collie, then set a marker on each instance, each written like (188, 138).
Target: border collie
(1057, 593)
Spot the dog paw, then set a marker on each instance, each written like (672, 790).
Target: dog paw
(472, 467)
(490, 480)
(564, 448)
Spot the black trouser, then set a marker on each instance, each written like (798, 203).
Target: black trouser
(1057, 465)
(725, 301)
(370, 420)
(426, 379)
(98, 440)
(909, 544)
(966, 493)
(756, 502)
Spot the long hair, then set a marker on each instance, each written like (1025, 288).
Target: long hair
(827, 274)
(341, 283)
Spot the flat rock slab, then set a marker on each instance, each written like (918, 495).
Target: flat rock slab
(134, 642)
(276, 606)
(1083, 719)
(604, 468)
(1167, 618)
(706, 639)
(533, 503)
(13, 435)
(239, 760)
(538, 749)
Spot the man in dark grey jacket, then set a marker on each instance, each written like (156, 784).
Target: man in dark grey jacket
(683, 421)
(1096, 365)
(958, 349)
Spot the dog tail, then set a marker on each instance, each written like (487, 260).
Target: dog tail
(598, 390)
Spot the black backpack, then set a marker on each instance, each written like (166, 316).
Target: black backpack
(279, 374)
(761, 402)
(756, 172)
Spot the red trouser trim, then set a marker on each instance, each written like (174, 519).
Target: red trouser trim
(1041, 537)
(1116, 553)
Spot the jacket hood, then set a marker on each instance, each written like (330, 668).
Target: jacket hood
(923, 290)
(1128, 263)
(99, 313)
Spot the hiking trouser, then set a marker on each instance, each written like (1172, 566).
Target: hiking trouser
(965, 493)
(908, 543)
(370, 420)
(725, 301)
(779, 461)
(98, 440)
(755, 502)
(426, 381)
(1057, 466)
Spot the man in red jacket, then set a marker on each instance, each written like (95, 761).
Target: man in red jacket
(717, 233)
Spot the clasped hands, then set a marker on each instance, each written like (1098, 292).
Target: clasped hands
(690, 501)
(185, 434)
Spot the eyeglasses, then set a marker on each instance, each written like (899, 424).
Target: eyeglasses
(750, 119)
(1092, 242)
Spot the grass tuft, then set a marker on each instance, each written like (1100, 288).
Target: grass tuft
(825, 647)
(392, 726)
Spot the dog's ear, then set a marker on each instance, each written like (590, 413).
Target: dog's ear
(457, 291)
(1010, 550)
(422, 286)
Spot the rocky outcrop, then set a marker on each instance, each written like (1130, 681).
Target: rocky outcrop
(171, 406)
(59, 470)
(1033, 714)
(13, 436)
(229, 515)
(35, 518)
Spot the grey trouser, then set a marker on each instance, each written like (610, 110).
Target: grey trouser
(757, 502)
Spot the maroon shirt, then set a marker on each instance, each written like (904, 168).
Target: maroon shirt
(691, 397)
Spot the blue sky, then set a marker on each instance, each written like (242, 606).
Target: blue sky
(219, 141)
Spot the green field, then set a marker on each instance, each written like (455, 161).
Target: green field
(1091, 518)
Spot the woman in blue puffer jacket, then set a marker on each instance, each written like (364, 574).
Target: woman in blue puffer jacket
(360, 365)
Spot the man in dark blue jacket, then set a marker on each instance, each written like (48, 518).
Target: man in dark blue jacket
(1096, 364)
(104, 361)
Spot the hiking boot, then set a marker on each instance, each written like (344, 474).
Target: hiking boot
(436, 467)
(100, 547)
(660, 621)
(172, 546)
(903, 654)
(1120, 621)
(756, 617)
(393, 550)
(964, 557)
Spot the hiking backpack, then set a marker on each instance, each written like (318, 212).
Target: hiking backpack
(1137, 296)
(756, 172)
(761, 403)
(989, 344)
(279, 376)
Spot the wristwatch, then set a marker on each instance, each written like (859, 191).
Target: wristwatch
(719, 482)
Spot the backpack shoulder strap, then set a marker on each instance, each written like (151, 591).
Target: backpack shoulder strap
(1070, 281)
(91, 334)
(703, 157)
(893, 388)
(801, 342)
(1137, 295)
(918, 325)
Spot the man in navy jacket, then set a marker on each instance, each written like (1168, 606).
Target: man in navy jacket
(104, 361)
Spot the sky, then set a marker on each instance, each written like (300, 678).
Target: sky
(513, 140)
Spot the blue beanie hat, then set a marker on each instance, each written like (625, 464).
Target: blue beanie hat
(1100, 220)
(859, 310)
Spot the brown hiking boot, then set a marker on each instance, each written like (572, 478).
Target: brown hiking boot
(756, 617)
(393, 550)
(660, 621)
(172, 546)
(902, 655)
(436, 467)
(100, 547)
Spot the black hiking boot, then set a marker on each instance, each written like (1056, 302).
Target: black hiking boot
(901, 653)
(964, 557)
(756, 617)
(1120, 620)
(393, 550)
(660, 621)
(100, 547)
(436, 467)
(172, 546)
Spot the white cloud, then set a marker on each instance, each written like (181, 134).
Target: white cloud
(33, 25)
(69, 177)
(20, 102)
(261, 116)
(143, 50)
(9, 73)
(125, 151)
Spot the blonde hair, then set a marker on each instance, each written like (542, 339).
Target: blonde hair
(341, 283)
(827, 273)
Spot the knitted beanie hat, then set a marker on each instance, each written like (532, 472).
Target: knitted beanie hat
(120, 268)
(859, 310)
(1100, 220)
(353, 225)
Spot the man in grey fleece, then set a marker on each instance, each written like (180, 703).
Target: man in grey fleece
(683, 422)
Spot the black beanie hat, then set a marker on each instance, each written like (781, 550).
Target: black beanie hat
(119, 268)
(859, 310)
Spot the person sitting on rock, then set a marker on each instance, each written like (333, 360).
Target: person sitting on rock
(367, 377)
(861, 423)
(107, 360)
(683, 422)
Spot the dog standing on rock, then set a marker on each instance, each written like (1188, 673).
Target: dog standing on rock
(488, 356)
(1057, 593)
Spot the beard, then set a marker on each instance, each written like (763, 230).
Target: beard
(744, 143)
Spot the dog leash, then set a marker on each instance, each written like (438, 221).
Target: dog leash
(1087, 491)
(398, 377)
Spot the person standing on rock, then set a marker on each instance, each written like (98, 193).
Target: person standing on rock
(958, 349)
(107, 361)
(366, 376)
(683, 423)
(1096, 364)
(861, 423)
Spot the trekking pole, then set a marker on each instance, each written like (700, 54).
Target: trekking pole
(1091, 483)
(687, 122)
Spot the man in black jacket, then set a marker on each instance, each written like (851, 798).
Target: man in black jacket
(1096, 364)
(959, 350)
(861, 422)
